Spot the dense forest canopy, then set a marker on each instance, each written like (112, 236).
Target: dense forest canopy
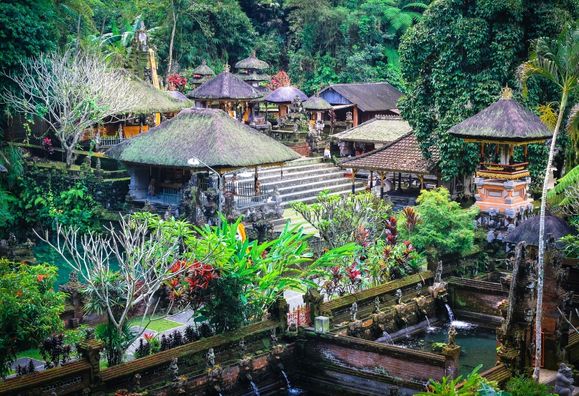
(317, 42)
(450, 57)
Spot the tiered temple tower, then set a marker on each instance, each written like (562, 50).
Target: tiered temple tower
(502, 184)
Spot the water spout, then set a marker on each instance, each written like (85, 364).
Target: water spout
(430, 326)
(254, 388)
(450, 313)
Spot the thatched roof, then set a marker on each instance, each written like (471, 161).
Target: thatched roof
(203, 69)
(315, 103)
(285, 95)
(403, 155)
(251, 62)
(153, 100)
(504, 120)
(254, 77)
(225, 86)
(382, 129)
(208, 134)
(367, 96)
(528, 230)
(178, 96)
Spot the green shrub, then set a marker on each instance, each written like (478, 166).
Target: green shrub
(443, 229)
(523, 386)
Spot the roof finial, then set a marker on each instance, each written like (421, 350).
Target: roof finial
(203, 62)
(253, 53)
(507, 93)
(226, 68)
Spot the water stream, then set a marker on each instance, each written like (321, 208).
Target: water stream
(254, 388)
(430, 326)
(450, 313)
(459, 324)
(290, 390)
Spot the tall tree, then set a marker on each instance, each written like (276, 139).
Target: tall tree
(71, 92)
(456, 60)
(557, 61)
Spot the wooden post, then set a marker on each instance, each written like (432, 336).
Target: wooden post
(399, 181)
(421, 178)
(355, 116)
(353, 181)
(382, 179)
(371, 179)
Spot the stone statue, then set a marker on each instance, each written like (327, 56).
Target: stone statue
(242, 347)
(564, 381)
(210, 357)
(137, 381)
(377, 305)
(273, 337)
(353, 311)
(174, 369)
(452, 335)
(398, 295)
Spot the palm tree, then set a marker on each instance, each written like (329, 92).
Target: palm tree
(556, 60)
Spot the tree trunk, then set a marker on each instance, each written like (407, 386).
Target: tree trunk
(541, 258)
(170, 64)
(70, 157)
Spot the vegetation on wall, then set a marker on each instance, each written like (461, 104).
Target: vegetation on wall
(458, 57)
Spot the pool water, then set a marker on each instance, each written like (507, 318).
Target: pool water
(478, 345)
(43, 253)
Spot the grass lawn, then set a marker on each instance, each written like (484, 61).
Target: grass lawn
(30, 353)
(158, 325)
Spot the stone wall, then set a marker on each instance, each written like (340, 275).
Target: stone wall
(476, 296)
(345, 361)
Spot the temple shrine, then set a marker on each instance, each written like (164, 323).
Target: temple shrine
(502, 183)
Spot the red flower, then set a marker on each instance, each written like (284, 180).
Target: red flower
(40, 277)
(353, 273)
(148, 336)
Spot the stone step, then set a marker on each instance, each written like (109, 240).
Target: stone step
(319, 183)
(288, 173)
(310, 196)
(305, 179)
(293, 177)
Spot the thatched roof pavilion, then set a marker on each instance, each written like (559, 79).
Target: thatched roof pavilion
(154, 100)
(285, 95)
(207, 134)
(381, 130)
(251, 63)
(503, 121)
(316, 103)
(179, 96)
(225, 86)
(528, 230)
(203, 69)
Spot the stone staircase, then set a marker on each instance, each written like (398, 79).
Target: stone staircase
(303, 180)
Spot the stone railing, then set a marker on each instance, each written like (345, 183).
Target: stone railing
(185, 367)
(339, 309)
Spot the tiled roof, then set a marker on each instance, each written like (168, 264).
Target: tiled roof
(403, 155)
(382, 129)
(369, 96)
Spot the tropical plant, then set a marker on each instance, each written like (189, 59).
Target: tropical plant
(260, 271)
(30, 308)
(338, 218)
(445, 228)
(557, 61)
(471, 385)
